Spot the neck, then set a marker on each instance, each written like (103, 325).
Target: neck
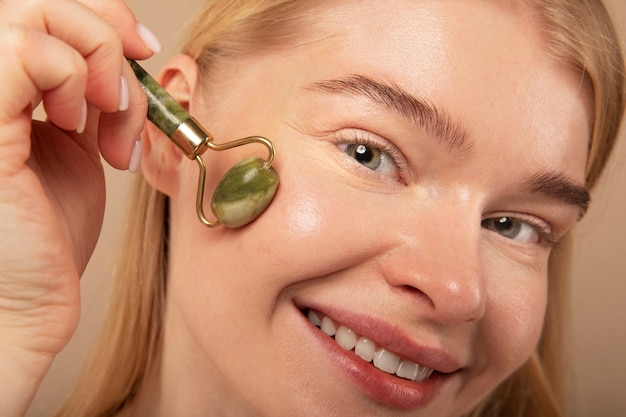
(182, 380)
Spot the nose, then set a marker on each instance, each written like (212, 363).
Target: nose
(437, 264)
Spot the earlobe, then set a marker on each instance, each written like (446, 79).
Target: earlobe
(161, 159)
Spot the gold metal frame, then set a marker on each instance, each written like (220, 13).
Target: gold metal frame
(194, 141)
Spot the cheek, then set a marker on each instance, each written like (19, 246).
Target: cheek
(305, 215)
(517, 307)
(314, 227)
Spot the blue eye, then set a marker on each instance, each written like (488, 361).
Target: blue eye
(368, 156)
(378, 158)
(512, 228)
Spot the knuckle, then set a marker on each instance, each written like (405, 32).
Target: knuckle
(113, 43)
(107, 45)
(76, 65)
(13, 38)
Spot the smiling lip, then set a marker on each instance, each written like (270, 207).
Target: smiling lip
(381, 386)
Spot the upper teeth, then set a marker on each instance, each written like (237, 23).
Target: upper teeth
(368, 351)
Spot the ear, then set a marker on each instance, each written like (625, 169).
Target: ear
(160, 157)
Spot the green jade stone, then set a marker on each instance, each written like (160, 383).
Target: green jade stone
(163, 110)
(244, 192)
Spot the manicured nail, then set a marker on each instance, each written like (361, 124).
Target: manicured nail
(135, 157)
(83, 117)
(123, 94)
(148, 38)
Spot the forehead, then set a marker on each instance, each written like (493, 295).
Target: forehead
(485, 61)
(434, 39)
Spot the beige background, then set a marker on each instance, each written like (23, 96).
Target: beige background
(599, 343)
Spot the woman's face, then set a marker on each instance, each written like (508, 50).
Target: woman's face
(429, 154)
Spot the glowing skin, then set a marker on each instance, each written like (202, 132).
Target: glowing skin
(418, 258)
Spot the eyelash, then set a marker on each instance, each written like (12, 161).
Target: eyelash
(544, 230)
(367, 139)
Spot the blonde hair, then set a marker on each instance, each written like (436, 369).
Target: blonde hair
(579, 32)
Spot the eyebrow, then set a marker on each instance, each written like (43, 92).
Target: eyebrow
(454, 136)
(427, 116)
(557, 186)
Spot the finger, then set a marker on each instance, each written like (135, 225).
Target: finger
(33, 62)
(138, 41)
(118, 131)
(102, 49)
(91, 35)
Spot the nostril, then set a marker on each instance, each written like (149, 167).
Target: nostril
(416, 294)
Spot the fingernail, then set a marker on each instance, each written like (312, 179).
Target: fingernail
(148, 38)
(135, 157)
(123, 94)
(83, 117)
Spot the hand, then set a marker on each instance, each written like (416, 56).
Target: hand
(70, 56)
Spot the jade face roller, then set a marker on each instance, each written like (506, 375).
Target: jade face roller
(245, 191)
